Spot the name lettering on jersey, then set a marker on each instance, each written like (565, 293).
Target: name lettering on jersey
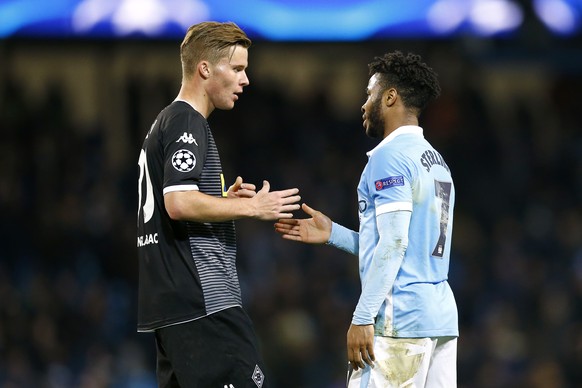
(147, 239)
(391, 181)
(187, 138)
(430, 158)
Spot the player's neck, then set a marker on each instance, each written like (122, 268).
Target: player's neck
(199, 103)
(404, 121)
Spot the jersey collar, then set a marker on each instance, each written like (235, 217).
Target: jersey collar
(405, 129)
(180, 100)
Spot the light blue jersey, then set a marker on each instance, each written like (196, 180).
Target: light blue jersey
(406, 176)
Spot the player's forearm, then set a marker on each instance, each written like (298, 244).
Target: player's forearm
(344, 239)
(200, 207)
(386, 262)
(380, 280)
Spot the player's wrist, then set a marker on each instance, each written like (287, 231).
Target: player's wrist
(343, 238)
(333, 231)
(362, 322)
(248, 208)
(361, 318)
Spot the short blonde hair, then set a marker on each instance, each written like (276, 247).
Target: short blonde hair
(209, 41)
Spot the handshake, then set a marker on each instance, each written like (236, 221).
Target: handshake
(279, 205)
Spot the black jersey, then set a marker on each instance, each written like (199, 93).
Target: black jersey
(187, 270)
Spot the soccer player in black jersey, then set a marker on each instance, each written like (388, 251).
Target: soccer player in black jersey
(189, 294)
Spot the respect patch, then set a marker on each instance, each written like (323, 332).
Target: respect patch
(391, 181)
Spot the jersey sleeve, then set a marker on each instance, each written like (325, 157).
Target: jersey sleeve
(388, 256)
(343, 238)
(185, 144)
(390, 181)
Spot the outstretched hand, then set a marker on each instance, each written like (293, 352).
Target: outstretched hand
(314, 230)
(274, 205)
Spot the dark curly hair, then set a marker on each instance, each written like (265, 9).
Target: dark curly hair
(414, 80)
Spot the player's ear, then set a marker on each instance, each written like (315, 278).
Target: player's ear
(390, 96)
(204, 69)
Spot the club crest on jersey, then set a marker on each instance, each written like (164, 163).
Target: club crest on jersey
(362, 206)
(391, 181)
(183, 160)
(187, 138)
(258, 376)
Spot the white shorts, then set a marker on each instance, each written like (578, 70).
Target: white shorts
(410, 363)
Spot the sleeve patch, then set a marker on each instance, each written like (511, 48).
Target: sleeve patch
(183, 160)
(391, 181)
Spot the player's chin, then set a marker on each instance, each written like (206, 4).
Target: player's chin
(229, 105)
(232, 101)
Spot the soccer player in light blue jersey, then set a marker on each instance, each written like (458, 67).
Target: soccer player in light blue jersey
(405, 327)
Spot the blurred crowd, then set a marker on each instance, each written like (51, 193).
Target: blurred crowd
(508, 128)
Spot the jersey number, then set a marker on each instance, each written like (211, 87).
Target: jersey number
(443, 192)
(148, 206)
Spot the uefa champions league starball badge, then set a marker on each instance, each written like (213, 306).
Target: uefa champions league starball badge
(183, 160)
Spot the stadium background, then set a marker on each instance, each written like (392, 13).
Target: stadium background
(73, 114)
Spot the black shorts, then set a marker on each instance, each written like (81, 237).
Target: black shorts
(217, 351)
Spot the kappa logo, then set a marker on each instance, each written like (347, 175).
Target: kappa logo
(187, 138)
